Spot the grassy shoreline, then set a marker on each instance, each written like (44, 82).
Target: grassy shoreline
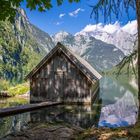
(12, 91)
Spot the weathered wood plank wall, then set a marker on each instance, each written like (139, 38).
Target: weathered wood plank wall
(60, 80)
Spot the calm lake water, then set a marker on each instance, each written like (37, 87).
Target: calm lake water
(117, 107)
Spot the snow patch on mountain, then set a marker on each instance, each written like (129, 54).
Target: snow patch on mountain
(123, 37)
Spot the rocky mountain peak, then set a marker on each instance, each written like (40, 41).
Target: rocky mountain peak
(98, 53)
(123, 37)
(61, 35)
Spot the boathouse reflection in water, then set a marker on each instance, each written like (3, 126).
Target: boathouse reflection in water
(83, 116)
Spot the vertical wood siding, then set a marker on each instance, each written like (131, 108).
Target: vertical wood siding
(60, 80)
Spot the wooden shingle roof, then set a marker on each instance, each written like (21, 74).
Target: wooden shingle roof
(79, 62)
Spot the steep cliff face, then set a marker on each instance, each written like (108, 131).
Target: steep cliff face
(22, 45)
(22, 24)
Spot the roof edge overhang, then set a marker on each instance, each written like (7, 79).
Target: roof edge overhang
(50, 54)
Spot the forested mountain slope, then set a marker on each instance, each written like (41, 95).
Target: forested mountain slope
(22, 45)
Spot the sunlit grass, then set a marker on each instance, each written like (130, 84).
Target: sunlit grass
(18, 89)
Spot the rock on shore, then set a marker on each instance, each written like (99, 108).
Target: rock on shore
(44, 132)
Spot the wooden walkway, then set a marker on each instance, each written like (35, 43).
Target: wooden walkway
(24, 108)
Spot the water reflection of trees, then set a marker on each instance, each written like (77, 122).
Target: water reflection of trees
(112, 90)
(13, 124)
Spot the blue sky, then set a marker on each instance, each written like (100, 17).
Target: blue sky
(69, 17)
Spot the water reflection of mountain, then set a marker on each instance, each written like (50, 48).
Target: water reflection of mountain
(121, 113)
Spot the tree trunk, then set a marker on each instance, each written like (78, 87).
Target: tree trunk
(138, 20)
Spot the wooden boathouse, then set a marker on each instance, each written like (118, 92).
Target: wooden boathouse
(63, 76)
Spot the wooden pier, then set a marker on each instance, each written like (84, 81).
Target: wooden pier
(24, 108)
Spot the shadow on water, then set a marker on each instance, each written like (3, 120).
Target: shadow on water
(117, 109)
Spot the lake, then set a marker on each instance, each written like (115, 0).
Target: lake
(117, 107)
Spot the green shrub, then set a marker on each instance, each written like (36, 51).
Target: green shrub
(18, 89)
(4, 85)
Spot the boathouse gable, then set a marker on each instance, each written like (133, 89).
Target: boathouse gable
(61, 76)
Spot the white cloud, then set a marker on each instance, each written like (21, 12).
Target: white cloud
(75, 13)
(58, 23)
(109, 28)
(130, 27)
(62, 15)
